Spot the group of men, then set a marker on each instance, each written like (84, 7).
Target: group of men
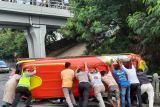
(17, 86)
(123, 81)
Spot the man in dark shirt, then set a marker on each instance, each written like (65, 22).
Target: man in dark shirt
(146, 86)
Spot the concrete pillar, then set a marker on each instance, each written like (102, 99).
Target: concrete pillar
(35, 36)
(30, 43)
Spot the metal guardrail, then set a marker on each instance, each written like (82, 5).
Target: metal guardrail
(151, 78)
(155, 80)
(59, 4)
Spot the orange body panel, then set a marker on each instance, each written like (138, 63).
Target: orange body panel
(49, 71)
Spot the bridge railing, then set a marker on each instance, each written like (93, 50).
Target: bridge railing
(60, 4)
(155, 80)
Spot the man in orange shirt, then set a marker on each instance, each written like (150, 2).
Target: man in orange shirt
(67, 76)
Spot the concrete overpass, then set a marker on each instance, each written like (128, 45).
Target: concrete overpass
(34, 20)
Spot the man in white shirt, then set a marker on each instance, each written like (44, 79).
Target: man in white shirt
(133, 79)
(96, 82)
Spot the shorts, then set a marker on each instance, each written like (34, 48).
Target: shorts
(113, 92)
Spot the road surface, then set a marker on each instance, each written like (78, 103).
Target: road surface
(76, 50)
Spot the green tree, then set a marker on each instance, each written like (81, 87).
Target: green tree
(146, 27)
(11, 42)
(92, 20)
(139, 23)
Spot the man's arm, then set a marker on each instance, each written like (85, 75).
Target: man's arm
(95, 67)
(76, 71)
(134, 64)
(145, 67)
(86, 67)
(110, 69)
(78, 67)
(61, 75)
(33, 72)
(112, 66)
(120, 63)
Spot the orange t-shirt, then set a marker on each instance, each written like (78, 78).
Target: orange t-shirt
(67, 76)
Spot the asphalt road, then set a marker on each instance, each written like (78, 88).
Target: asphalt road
(3, 79)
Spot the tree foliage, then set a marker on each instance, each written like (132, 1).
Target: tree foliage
(93, 19)
(11, 42)
(146, 26)
(138, 20)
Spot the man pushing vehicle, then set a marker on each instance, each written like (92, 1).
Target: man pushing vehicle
(23, 87)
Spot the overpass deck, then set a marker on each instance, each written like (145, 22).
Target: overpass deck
(34, 20)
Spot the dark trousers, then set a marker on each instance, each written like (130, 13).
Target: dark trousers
(84, 91)
(22, 91)
(136, 91)
(6, 105)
